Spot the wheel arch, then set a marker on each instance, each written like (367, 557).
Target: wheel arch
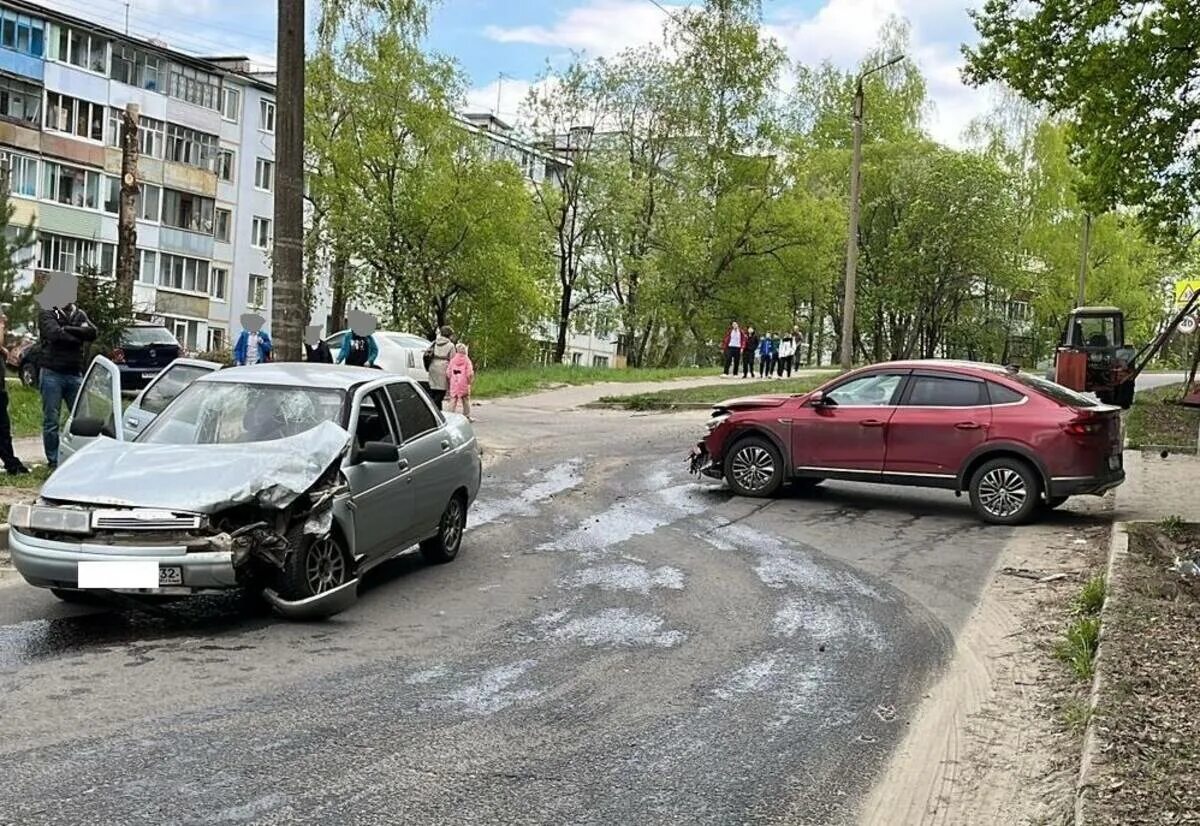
(1001, 450)
(752, 430)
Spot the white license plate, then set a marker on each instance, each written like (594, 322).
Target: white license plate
(170, 575)
(149, 375)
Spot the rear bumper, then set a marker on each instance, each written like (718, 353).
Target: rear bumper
(1085, 485)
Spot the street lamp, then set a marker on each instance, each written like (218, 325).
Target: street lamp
(852, 241)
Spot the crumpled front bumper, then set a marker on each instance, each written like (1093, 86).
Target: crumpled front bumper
(701, 463)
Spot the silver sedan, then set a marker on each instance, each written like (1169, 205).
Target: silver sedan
(287, 479)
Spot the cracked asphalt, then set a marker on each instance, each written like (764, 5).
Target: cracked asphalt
(616, 643)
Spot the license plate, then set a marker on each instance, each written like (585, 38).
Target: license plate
(149, 375)
(170, 575)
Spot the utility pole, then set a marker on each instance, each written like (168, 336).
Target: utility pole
(852, 241)
(1081, 292)
(127, 263)
(287, 264)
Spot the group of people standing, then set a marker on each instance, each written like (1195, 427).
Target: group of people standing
(775, 354)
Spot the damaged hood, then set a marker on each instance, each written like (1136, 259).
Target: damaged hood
(753, 402)
(197, 478)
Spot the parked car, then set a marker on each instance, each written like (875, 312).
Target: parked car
(1014, 441)
(399, 353)
(287, 479)
(22, 360)
(144, 351)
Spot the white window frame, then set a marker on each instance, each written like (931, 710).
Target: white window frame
(266, 116)
(222, 293)
(213, 333)
(226, 91)
(71, 119)
(260, 230)
(141, 203)
(166, 275)
(143, 254)
(49, 194)
(257, 299)
(228, 212)
(264, 166)
(27, 162)
(220, 167)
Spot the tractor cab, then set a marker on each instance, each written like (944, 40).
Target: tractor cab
(1092, 356)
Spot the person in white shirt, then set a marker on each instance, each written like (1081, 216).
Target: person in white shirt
(787, 353)
(732, 345)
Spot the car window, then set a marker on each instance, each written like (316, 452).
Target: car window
(876, 390)
(413, 411)
(1050, 390)
(374, 422)
(147, 335)
(96, 401)
(170, 385)
(1003, 395)
(944, 391)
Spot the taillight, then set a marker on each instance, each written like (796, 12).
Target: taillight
(118, 356)
(1085, 424)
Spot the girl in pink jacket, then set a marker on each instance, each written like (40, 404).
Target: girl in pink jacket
(462, 375)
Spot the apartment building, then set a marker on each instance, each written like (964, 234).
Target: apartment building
(206, 170)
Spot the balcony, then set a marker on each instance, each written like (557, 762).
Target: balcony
(22, 65)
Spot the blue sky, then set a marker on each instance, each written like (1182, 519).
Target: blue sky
(519, 37)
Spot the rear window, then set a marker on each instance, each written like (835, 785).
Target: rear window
(148, 335)
(943, 391)
(1003, 395)
(1057, 392)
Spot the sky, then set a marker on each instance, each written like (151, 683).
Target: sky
(503, 45)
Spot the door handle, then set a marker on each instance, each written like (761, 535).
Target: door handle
(445, 445)
(872, 423)
(969, 426)
(402, 464)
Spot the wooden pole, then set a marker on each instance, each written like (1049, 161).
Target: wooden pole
(127, 263)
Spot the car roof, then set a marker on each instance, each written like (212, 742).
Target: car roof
(951, 365)
(300, 374)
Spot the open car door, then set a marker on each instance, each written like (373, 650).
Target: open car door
(97, 409)
(168, 384)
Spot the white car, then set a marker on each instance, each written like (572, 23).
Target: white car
(401, 353)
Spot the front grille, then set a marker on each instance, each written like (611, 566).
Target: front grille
(144, 520)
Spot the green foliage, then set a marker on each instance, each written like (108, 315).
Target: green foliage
(109, 311)
(1090, 599)
(1174, 528)
(1079, 644)
(16, 244)
(1158, 422)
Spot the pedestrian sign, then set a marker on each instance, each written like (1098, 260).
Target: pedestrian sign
(1185, 289)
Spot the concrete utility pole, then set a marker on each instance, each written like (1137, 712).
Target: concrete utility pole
(852, 241)
(1081, 292)
(127, 263)
(288, 313)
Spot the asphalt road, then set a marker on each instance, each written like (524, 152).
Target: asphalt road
(617, 643)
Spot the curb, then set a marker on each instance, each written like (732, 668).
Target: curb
(1118, 548)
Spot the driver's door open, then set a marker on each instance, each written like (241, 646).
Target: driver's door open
(97, 409)
(846, 434)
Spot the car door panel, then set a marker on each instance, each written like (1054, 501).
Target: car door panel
(940, 421)
(849, 433)
(429, 449)
(99, 398)
(381, 492)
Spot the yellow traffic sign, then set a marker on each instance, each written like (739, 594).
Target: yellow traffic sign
(1185, 289)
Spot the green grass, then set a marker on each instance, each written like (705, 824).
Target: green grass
(1174, 528)
(519, 381)
(1079, 645)
(1075, 715)
(28, 481)
(24, 410)
(1154, 421)
(710, 394)
(1090, 600)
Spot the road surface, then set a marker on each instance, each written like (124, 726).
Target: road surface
(617, 643)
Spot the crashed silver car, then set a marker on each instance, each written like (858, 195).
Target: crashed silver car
(287, 479)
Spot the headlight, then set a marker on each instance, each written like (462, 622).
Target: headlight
(53, 520)
(716, 421)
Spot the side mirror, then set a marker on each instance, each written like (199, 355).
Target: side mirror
(379, 452)
(86, 427)
(818, 399)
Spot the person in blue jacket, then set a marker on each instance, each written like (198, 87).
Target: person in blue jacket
(358, 345)
(767, 350)
(254, 343)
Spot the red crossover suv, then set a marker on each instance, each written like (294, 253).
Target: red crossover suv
(1016, 442)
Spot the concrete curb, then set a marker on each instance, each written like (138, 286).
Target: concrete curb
(1118, 548)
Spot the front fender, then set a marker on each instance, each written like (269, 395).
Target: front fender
(778, 433)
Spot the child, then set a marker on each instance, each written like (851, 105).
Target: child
(462, 376)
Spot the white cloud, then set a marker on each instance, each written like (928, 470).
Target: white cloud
(599, 28)
(510, 92)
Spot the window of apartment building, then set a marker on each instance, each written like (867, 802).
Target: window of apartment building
(177, 272)
(22, 33)
(19, 101)
(256, 294)
(135, 67)
(226, 163)
(195, 86)
(22, 175)
(190, 146)
(71, 185)
(147, 267)
(83, 49)
(80, 118)
(223, 225)
(149, 198)
(186, 332)
(216, 339)
(185, 210)
(60, 253)
(264, 174)
(150, 133)
(599, 361)
(266, 115)
(231, 103)
(260, 233)
(218, 283)
(112, 195)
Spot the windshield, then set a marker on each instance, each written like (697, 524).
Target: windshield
(147, 335)
(221, 413)
(1057, 392)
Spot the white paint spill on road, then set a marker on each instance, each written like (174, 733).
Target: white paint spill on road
(627, 577)
(754, 677)
(618, 628)
(826, 623)
(427, 676)
(491, 693)
(551, 482)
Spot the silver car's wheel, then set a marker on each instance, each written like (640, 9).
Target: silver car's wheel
(1005, 491)
(445, 546)
(754, 468)
(325, 566)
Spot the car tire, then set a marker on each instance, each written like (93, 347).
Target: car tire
(754, 467)
(1053, 502)
(319, 564)
(1005, 491)
(445, 546)
(29, 375)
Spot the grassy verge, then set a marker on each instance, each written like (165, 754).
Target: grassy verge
(24, 410)
(1081, 640)
(710, 394)
(1147, 720)
(1154, 421)
(490, 384)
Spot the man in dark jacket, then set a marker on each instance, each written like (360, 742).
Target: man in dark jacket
(315, 349)
(749, 348)
(12, 464)
(65, 332)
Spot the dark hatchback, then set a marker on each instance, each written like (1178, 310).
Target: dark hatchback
(145, 350)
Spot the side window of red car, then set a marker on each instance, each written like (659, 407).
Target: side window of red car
(944, 391)
(1003, 395)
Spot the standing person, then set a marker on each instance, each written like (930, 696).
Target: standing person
(64, 330)
(798, 343)
(315, 348)
(253, 343)
(462, 376)
(439, 354)
(358, 345)
(732, 345)
(748, 351)
(787, 352)
(12, 464)
(766, 354)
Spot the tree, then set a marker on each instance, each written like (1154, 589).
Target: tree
(1125, 75)
(16, 245)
